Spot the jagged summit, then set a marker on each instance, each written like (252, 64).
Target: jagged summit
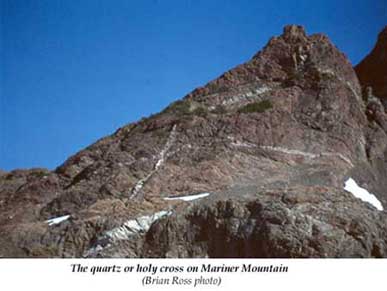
(294, 32)
(372, 71)
(382, 37)
(253, 164)
(289, 59)
(290, 63)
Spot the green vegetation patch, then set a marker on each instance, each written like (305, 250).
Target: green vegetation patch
(180, 107)
(200, 111)
(40, 173)
(186, 108)
(260, 107)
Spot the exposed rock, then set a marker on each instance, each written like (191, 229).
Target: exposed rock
(304, 222)
(372, 71)
(273, 140)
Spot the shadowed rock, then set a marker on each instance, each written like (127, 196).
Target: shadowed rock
(372, 71)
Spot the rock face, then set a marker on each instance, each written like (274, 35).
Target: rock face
(372, 71)
(268, 146)
(372, 74)
(301, 222)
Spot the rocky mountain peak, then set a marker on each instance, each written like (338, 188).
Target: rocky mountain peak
(252, 164)
(291, 59)
(382, 37)
(372, 71)
(294, 32)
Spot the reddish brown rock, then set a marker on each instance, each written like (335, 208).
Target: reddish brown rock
(272, 140)
(372, 71)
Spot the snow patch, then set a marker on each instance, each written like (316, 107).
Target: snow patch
(361, 193)
(57, 220)
(188, 197)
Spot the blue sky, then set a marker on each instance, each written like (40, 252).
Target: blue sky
(74, 71)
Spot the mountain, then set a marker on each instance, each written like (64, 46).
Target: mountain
(253, 164)
(372, 71)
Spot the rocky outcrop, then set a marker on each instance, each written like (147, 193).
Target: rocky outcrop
(301, 222)
(372, 71)
(372, 74)
(271, 142)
